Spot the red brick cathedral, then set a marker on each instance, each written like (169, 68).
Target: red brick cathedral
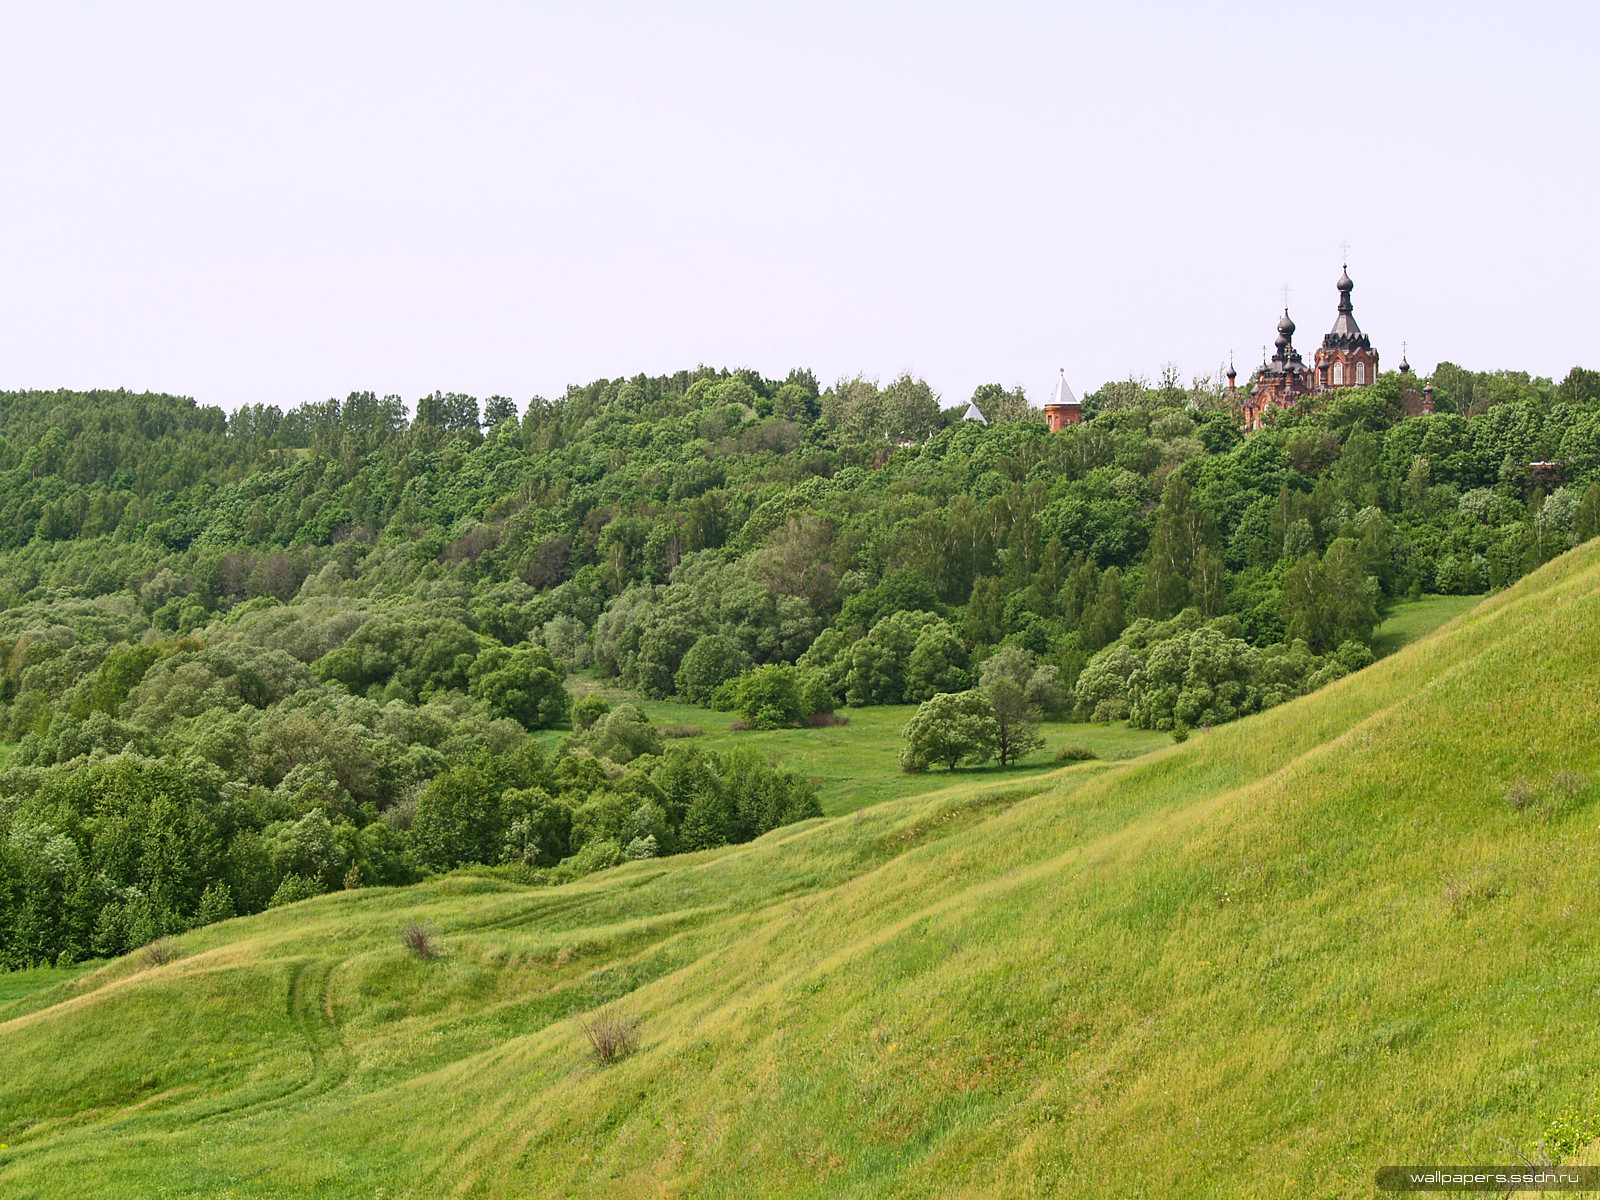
(1345, 359)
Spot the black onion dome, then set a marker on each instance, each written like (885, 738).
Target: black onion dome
(1345, 330)
(1286, 326)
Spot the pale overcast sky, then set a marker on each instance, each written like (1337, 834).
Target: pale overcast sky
(284, 202)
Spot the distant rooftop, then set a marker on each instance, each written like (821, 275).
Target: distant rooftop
(1063, 393)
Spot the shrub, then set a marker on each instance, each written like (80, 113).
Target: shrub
(1560, 794)
(682, 731)
(587, 710)
(612, 1033)
(1572, 1129)
(826, 720)
(1075, 752)
(216, 904)
(710, 662)
(594, 856)
(1353, 656)
(1522, 795)
(1569, 784)
(1103, 686)
(293, 889)
(769, 698)
(816, 695)
(420, 940)
(161, 951)
(622, 735)
(524, 684)
(762, 797)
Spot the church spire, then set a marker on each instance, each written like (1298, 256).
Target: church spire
(1345, 324)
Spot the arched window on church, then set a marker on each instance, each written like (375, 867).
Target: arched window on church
(1338, 374)
(1361, 372)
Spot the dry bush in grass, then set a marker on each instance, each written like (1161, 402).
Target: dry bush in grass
(612, 1033)
(1075, 752)
(682, 731)
(1569, 785)
(826, 720)
(420, 940)
(1463, 894)
(160, 952)
(1560, 794)
(1522, 795)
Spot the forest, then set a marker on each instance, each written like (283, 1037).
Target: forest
(249, 657)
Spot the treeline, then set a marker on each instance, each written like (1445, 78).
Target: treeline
(248, 657)
(181, 781)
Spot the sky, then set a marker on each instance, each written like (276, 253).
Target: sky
(253, 203)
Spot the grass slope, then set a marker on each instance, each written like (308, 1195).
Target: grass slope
(1409, 620)
(1261, 963)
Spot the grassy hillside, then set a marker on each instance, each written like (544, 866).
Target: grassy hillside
(1408, 620)
(1357, 929)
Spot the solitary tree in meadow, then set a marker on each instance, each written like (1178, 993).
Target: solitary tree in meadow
(951, 728)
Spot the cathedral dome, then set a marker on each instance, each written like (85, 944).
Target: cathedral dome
(1286, 326)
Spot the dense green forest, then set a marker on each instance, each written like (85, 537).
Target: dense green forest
(250, 657)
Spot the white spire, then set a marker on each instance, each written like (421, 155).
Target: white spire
(1063, 394)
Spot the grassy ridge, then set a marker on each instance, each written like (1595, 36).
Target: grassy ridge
(1264, 962)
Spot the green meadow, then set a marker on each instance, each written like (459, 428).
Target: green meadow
(858, 763)
(1358, 929)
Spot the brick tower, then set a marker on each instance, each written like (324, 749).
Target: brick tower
(1346, 357)
(1063, 408)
